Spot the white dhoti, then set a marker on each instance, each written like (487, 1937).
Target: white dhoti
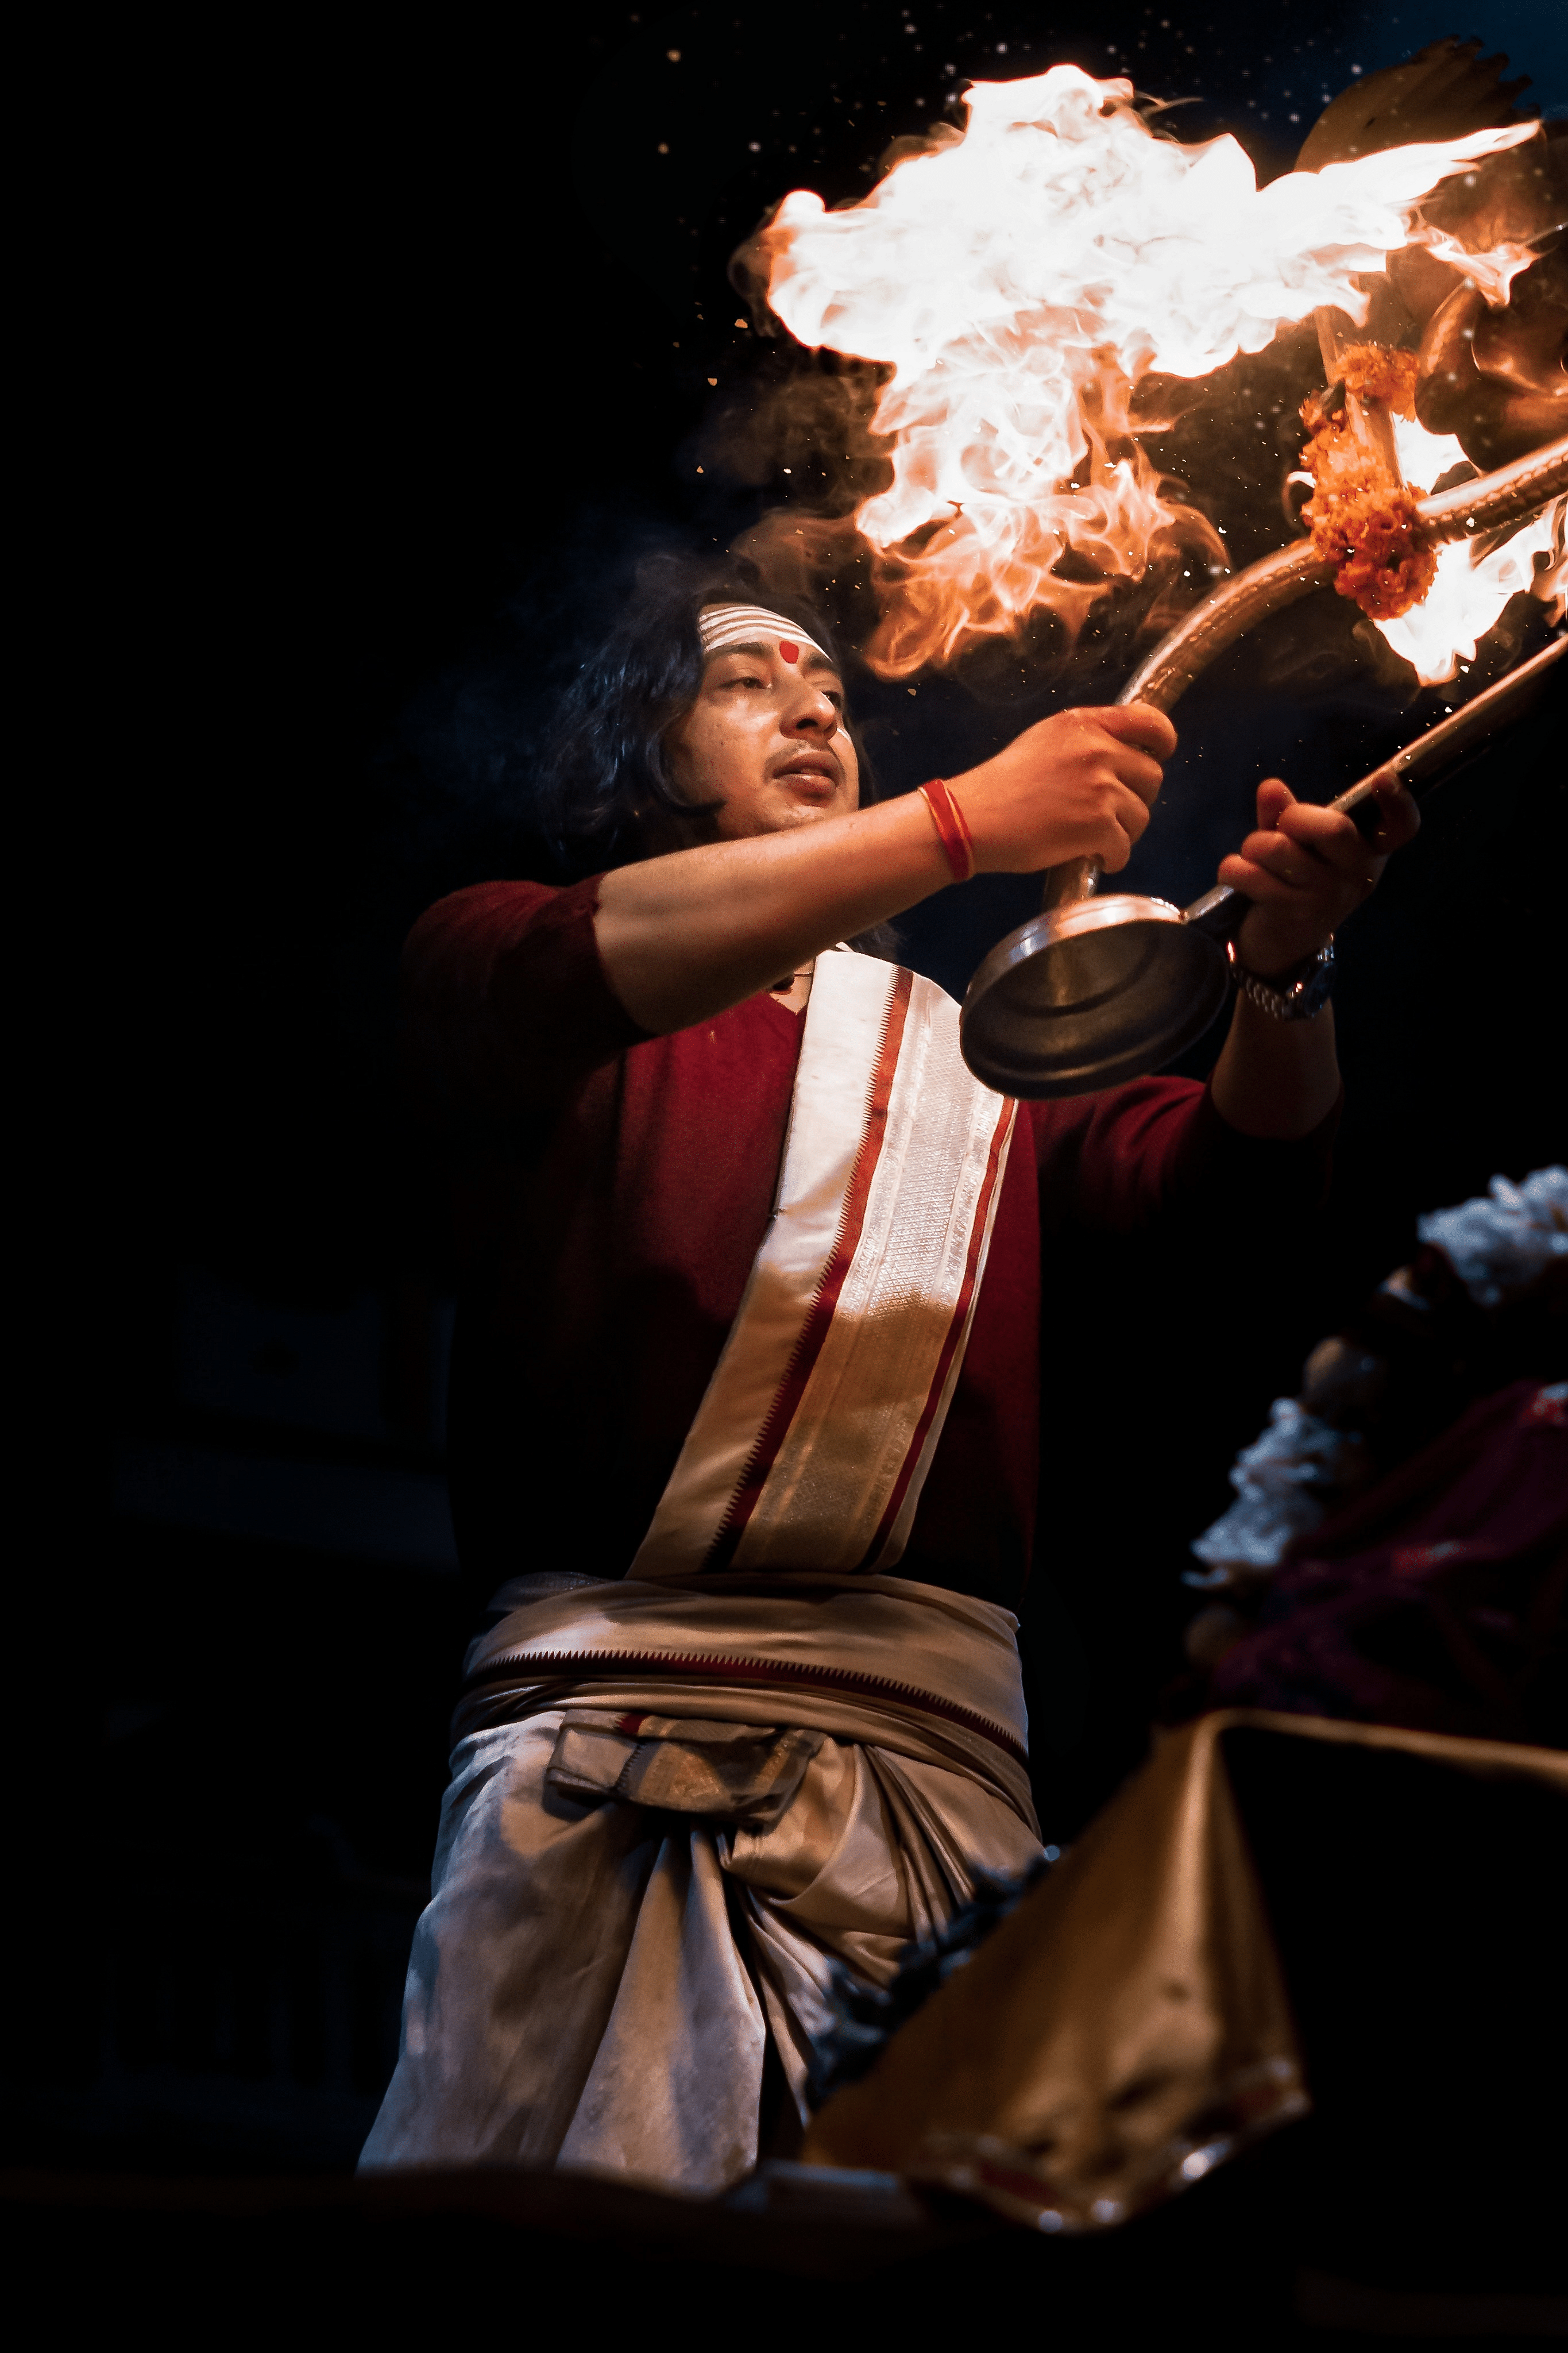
(640, 1883)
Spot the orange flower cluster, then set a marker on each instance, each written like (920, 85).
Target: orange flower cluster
(1363, 521)
(1376, 541)
(1374, 372)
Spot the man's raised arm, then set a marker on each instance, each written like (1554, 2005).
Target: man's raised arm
(686, 935)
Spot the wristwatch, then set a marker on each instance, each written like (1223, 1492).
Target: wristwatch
(1294, 994)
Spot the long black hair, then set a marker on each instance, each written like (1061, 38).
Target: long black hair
(605, 794)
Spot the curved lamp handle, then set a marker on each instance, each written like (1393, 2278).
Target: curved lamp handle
(1510, 494)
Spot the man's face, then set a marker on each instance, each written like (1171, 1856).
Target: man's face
(765, 737)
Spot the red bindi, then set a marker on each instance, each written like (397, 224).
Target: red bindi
(791, 653)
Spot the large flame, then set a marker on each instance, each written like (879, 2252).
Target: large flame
(1473, 583)
(1020, 279)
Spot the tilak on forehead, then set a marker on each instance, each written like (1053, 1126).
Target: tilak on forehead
(745, 625)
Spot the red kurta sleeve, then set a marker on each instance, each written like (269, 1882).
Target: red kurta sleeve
(1138, 1155)
(507, 1004)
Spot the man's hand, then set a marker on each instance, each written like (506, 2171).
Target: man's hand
(1079, 784)
(1305, 870)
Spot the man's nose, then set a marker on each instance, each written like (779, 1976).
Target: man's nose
(814, 713)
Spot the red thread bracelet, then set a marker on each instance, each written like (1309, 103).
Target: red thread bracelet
(958, 847)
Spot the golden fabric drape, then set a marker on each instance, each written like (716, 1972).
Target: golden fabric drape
(1126, 2028)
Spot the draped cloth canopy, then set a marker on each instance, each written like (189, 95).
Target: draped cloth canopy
(1128, 2028)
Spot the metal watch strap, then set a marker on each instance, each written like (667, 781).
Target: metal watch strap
(1293, 995)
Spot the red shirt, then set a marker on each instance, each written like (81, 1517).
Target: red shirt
(613, 1190)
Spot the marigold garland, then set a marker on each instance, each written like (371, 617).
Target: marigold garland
(1374, 372)
(1362, 521)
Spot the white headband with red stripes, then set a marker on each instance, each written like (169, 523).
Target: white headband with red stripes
(741, 625)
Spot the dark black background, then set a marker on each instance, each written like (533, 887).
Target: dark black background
(416, 333)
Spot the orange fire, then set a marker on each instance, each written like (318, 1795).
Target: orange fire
(1020, 279)
(1474, 579)
(1433, 603)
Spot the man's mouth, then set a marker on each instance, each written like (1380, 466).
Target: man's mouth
(818, 768)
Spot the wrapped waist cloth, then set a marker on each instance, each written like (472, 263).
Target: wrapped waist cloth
(929, 1673)
(675, 1811)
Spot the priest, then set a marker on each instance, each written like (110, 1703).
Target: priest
(745, 1421)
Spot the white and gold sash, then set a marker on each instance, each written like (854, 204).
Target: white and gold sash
(818, 1428)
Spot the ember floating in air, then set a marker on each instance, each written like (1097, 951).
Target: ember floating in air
(1021, 278)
